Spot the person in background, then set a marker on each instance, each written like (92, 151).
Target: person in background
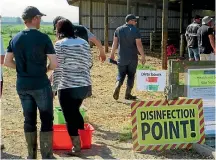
(2, 53)
(206, 40)
(127, 39)
(72, 78)
(84, 33)
(191, 38)
(171, 50)
(31, 48)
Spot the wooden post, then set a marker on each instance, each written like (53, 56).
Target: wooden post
(137, 14)
(91, 17)
(151, 41)
(190, 9)
(164, 33)
(106, 27)
(80, 12)
(128, 7)
(155, 17)
(181, 28)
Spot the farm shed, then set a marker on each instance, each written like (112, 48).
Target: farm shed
(102, 17)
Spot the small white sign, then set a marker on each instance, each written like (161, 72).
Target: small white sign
(151, 80)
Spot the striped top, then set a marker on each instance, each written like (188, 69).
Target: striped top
(75, 60)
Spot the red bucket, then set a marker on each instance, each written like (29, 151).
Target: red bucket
(62, 141)
(152, 79)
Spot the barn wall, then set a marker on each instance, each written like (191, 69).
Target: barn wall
(117, 15)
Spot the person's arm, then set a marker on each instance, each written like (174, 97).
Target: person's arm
(50, 52)
(2, 59)
(9, 57)
(92, 38)
(211, 39)
(140, 46)
(140, 49)
(53, 62)
(2, 51)
(114, 47)
(186, 34)
(9, 60)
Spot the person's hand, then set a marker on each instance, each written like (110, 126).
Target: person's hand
(143, 60)
(112, 56)
(54, 94)
(51, 78)
(102, 56)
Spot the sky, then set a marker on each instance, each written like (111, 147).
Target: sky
(52, 8)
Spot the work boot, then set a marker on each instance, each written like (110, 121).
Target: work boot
(76, 150)
(128, 95)
(117, 90)
(46, 144)
(31, 139)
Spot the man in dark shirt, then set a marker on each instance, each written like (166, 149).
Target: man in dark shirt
(30, 48)
(191, 38)
(84, 33)
(127, 39)
(206, 41)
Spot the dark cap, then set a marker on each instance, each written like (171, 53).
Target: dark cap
(130, 17)
(30, 12)
(55, 21)
(197, 17)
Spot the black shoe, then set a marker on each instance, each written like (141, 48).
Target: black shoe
(130, 97)
(117, 91)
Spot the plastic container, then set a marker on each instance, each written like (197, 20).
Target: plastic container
(62, 141)
(152, 79)
(59, 117)
(153, 87)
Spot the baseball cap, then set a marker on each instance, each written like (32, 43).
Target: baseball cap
(206, 19)
(30, 12)
(130, 17)
(197, 17)
(55, 21)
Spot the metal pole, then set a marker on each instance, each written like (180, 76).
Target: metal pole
(91, 17)
(164, 33)
(137, 13)
(128, 6)
(80, 12)
(155, 17)
(106, 27)
(181, 28)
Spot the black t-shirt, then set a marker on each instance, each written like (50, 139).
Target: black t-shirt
(127, 35)
(203, 40)
(81, 32)
(30, 48)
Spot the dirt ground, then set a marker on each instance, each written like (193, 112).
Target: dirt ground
(110, 119)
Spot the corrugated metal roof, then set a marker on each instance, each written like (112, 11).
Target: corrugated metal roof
(194, 4)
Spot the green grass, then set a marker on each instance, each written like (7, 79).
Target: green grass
(8, 31)
(145, 67)
(126, 134)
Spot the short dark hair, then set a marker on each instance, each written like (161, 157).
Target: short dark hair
(55, 21)
(65, 29)
(197, 17)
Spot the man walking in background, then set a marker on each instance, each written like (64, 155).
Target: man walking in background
(191, 38)
(30, 48)
(206, 40)
(127, 39)
(84, 33)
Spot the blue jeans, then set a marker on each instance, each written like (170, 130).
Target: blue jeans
(43, 99)
(194, 53)
(129, 70)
